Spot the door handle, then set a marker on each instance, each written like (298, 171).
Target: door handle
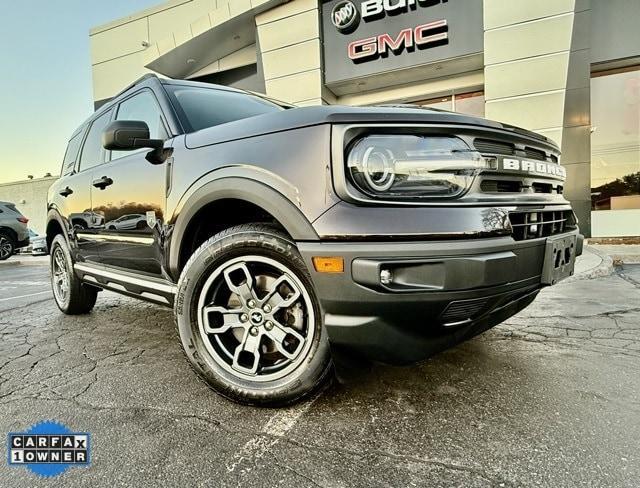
(66, 192)
(103, 182)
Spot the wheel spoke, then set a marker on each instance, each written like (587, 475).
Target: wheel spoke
(245, 288)
(230, 319)
(278, 335)
(249, 347)
(60, 263)
(276, 300)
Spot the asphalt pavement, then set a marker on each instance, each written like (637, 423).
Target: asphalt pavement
(549, 398)
(23, 285)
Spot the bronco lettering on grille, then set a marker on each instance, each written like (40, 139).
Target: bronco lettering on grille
(534, 167)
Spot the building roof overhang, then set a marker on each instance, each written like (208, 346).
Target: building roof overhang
(222, 38)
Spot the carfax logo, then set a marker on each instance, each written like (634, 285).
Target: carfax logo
(48, 449)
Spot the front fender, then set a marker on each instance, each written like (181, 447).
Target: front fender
(54, 216)
(244, 185)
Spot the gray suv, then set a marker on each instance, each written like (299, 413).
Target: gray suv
(13, 230)
(274, 231)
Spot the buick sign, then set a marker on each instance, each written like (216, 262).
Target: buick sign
(345, 15)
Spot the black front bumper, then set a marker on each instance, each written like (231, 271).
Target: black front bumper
(440, 293)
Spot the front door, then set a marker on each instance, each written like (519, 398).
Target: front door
(129, 193)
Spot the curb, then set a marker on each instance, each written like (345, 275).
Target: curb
(605, 268)
(15, 262)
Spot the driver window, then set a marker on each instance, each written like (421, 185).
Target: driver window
(142, 106)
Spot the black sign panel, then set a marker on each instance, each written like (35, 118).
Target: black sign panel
(367, 37)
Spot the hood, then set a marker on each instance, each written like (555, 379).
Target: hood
(296, 118)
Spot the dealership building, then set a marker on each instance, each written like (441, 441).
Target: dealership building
(568, 69)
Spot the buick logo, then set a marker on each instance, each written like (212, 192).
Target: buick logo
(345, 15)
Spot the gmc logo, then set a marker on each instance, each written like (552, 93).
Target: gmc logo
(422, 36)
(534, 167)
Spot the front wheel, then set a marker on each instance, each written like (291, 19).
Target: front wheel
(72, 296)
(248, 318)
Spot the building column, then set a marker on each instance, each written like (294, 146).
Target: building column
(289, 48)
(537, 76)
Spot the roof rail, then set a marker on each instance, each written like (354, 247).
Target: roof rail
(139, 80)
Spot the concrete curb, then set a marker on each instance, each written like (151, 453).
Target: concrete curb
(12, 261)
(605, 268)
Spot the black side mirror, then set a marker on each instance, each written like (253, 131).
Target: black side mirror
(128, 135)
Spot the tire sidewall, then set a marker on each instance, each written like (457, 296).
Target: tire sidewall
(210, 256)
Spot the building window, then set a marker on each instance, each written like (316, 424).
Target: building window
(615, 139)
(469, 103)
(464, 103)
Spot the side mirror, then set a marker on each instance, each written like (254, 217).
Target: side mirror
(128, 135)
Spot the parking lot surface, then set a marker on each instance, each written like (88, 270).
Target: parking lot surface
(550, 398)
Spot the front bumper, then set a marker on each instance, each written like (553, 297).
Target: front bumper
(441, 293)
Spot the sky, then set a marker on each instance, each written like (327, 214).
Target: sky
(45, 78)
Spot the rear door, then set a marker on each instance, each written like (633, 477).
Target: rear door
(132, 200)
(83, 154)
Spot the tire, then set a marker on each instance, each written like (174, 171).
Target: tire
(7, 245)
(72, 296)
(79, 224)
(232, 347)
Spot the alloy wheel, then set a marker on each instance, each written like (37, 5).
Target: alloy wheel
(6, 248)
(60, 275)
(256, 318)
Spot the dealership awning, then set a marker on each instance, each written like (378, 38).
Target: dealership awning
(221, 36)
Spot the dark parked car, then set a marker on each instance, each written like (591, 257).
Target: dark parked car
(14, 232)
(274, 231)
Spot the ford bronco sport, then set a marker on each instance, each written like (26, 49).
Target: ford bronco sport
(274, 231)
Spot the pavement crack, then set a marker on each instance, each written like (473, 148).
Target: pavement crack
(286, 466)
(375, 452)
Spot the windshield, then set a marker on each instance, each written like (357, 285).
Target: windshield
(200, 107)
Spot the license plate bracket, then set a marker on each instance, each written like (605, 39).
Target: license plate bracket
(559, 259)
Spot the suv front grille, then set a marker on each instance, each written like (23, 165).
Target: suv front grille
(503, 185)
(535, 154)
(545, 223)
(486, 146)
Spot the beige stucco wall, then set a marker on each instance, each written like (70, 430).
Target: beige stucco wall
(289, 40)
(30, 197)
(118, 56)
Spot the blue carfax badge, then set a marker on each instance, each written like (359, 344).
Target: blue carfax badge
(49, 448)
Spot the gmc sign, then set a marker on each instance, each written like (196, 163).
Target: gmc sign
(422, 36)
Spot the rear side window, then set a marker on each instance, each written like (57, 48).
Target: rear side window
(71, 156)
(93, 152)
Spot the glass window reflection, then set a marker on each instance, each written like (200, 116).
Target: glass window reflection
(615, 140)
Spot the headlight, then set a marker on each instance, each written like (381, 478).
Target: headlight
(408, 166)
